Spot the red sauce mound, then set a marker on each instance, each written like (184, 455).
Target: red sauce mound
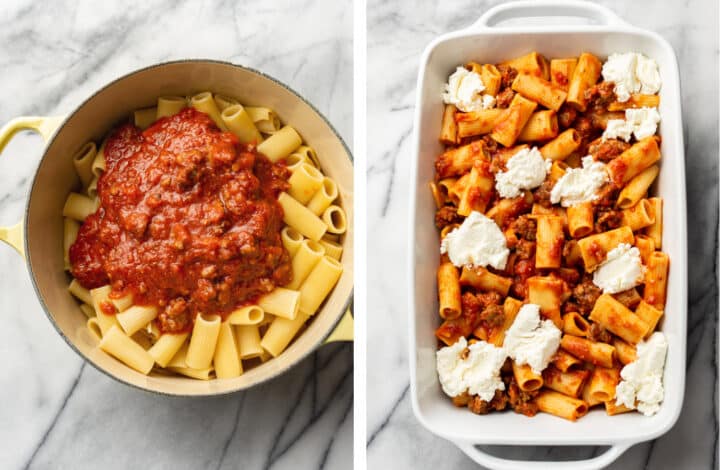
(188, 221)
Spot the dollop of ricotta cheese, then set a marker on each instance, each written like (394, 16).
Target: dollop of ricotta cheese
(579, 185)
(642, 122)
(530, 340)
(465, 89)
(526, 169)
(641, 387)
(474, 368)
(631, 72)
(478, 241)
(621, 270)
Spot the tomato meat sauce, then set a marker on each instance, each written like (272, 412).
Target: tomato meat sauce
(188, 221)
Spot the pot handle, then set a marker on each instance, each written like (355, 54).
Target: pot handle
(498, 463)
(46, 127)
(343, 330)
(548, 8)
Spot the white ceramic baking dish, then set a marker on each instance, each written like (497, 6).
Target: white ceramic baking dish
(535, 28)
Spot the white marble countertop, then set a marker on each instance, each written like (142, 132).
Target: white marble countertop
(398, 32)
(57, 412)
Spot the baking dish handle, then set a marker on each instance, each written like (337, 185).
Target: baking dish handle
(46, 127)
(498, 463)
(548, 8)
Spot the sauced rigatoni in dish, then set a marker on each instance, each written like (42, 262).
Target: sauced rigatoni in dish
(551, 281)
(204, 238)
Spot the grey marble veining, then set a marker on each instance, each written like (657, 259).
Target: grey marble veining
(398, 32)
(56, 412)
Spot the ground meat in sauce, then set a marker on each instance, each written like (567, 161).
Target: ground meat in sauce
(491, 145)
(482, 407)
(568, 249)
(608, 220)
(566, 115)
(569, 275)
(507, 75)
(606, 150)
(525, 249)
(525, 227)
(570, 306)
(447, 215)
(493, 316)
(477, 302)
(585, 294)
(189, 221)
(597, 333)
(600, 95)
(503, 99)
(542, 194)
(519, 400)
(607, 195)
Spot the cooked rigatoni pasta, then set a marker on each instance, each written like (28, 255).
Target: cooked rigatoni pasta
(241, 191)
(549, 234)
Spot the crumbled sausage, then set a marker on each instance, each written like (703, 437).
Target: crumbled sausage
(600, 95)
(503, 99)
(606, 150)
(542, 194)
(493, 316)
(608, 220)
(447, 215)
(597, 333)
(525, 249)
(507, 75)
(477, 302)
(521, 401)
(525, 227)
(566, 115)
(585, 294)
(482, 407)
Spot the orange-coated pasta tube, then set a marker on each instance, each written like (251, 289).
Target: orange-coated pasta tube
(542, 125)
(561, 72)
(539, 90)
(483, 280)
(587, 398)
(581, 219)
(636, 101)
(595, 248)
(563, 361)
(603, 382)
(527, 380)
(561, 146)
(477, 122)
(449, 291)
(546, 292)
(638, 216)
(512, 121)
(654, 231)
(478, 190)
(612, 408)
(646, 246)
(491, 78)
(649, 315)
(626, 352)
(656, 274)
(458, 161)
(637, 187)
(585, 75)
(561, 405)
(618, 319)
(532, 63)
(550, 238)
(568, 383)
(574, 324)
(448, 131)
(511, 307)
(557, 170)
(600, 354)
(634, 160)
